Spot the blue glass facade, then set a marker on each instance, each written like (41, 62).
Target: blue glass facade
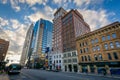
(42, 31)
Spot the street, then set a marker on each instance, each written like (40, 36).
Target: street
(34, 74)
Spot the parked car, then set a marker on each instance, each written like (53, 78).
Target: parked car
(13, 68)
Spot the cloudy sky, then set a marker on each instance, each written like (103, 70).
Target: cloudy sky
(17, 15)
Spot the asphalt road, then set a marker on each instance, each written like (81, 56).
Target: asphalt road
(34, 74)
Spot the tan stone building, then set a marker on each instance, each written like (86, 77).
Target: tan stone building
(99, 50)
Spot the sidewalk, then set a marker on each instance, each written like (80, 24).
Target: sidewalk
(93, 74)
(4, 76)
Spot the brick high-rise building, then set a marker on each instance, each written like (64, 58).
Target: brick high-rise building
(67, 26)
(73, 25)
(3, 49)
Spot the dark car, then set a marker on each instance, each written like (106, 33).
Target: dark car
(14, 68)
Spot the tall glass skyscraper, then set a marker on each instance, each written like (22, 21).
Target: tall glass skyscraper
(42, 37)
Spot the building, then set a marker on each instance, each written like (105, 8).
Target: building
(41, 39)
(73, 25)
(99, 50)
(26, 47)
(57, 38)
(3, 49)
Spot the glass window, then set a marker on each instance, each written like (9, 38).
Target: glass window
(100, 57)
(80, 45)
(114, 35)
(98, 48)
(80, 50)
(86, 49)
(96, 40)
(106, 46)
(65, 55)
(59, 56)
(103, 38)
(59, 61)
(73, 53)
(111, 45)
(83, 43)
(115, 55)
(94, 49)
(89, 58)
(82, 58)
(108, 37)
(117, 44)
(92, 41)
(69, 60)
(74, 60)
(85, 58)
(95, 56)
(69, 54)
(109, 56)
(86, 43)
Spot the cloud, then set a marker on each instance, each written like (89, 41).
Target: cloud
(95, 19)
(14, 4)
(87, 2)
(46, 13)
(3, 1)
(16, 34)
(3, 22)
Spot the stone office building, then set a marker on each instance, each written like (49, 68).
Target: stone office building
(100, 50)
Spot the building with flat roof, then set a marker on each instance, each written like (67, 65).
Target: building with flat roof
(99, 50)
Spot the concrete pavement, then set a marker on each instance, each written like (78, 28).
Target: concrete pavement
(4, 76)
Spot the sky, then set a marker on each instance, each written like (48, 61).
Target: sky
(16, 16)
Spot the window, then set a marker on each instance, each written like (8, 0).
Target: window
(114, 35)
(73, 53)
(94, 49)
(69, 60)
(82, 58)
(86, 49)
(100, 57)
(69, 54)
(96, 40)
(95, 56)
(85, 58)
(115, 55)
(92, 41)
(59, 56)
(117, 44)
(80, 50)
(103, 38)
(89, 58)
(108, 37)
(74, 60)
(59, 61)
(80, 45)
(106, 46)
(65, 61)
(65, 56)
(109, 56)
(86, 43)
(111, 45)
(98, 48)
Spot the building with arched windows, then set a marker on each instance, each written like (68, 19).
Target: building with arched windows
(100, 49)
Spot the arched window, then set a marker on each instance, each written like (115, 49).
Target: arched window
(114, 35)
(111, 45)
(115, 55)
(89, 58)
(82, 58)
(106, 46)
(85, 58)
(109, 56)
(103, 38)
(100, 57)
(117, 44)
(95, 56)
